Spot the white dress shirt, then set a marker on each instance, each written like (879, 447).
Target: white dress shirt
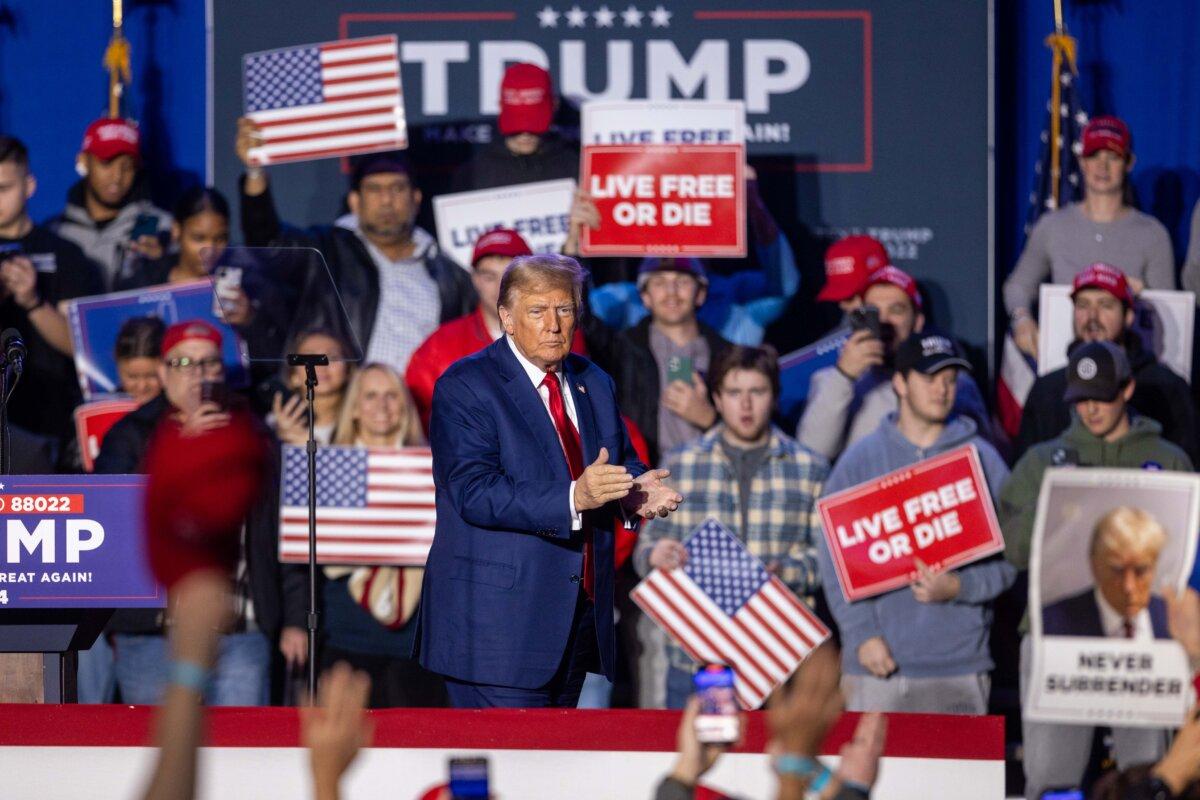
(536, 376)
(1113, 624)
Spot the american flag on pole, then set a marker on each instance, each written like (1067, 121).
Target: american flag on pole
(724, 607)
(1056, 183)
(323, 100)
(374, 506)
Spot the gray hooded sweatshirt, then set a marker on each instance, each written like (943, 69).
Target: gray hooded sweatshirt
(927, 640)
(107, 246)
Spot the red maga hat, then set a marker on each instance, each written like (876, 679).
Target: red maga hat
(848, 263)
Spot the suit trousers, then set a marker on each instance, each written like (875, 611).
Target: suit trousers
(582, 655)
(1057, 755)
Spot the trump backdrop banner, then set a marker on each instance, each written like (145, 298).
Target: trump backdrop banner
(75, 541)
(95, 322)
(1109, 546)
(668, 178)
(540, 212)
(93, 421)
(374, 506)
(938, 510)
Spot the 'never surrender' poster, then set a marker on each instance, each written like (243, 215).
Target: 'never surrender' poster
(1109, 545)
(938, 510)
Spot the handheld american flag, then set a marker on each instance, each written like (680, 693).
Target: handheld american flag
(374, 506)
(724, 607)
(324, 100)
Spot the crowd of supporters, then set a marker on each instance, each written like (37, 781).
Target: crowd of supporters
(901, 390)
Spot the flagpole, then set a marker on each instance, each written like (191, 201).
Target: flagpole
(1058, 16)
(116, 60)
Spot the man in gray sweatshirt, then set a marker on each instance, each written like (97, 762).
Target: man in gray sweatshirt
(923, 648)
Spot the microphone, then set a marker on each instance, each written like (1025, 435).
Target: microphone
(14, 349)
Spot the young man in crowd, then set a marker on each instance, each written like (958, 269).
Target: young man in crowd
(755, 479)
(191, 357)
(396, 286)
(923, 648)
(743, 296)
(107, 212)
(658, 364)
(848, 400)
(38, 270)
(1104, 431)
(1103, 312)
(527, 150)
(1104, 227)
(1103, 434)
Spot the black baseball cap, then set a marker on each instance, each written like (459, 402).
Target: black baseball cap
(1096, 371)
(929, 352)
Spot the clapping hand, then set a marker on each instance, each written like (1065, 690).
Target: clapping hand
(651, 497)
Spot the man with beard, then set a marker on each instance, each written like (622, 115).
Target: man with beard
(395, 284)
(1103, 312)
(107, 214)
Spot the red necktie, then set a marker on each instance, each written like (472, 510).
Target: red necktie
(568, 437)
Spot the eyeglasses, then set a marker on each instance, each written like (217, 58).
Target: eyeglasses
(208, 366)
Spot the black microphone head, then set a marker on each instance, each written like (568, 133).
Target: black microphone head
(12, 344)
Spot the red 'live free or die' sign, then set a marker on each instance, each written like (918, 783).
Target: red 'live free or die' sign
(938, 510)
(685, 200)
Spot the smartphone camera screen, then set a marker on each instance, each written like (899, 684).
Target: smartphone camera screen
(468, 778)
(717, 722)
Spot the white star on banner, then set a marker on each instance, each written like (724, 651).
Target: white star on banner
(660, 17)
(604, 17)
(632, 17)
(547, 18)
(576, 17)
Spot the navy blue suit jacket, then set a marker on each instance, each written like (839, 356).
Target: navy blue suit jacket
(503, 575)
(1078, 615)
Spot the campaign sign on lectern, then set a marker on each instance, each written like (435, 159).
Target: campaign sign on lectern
(74, 541)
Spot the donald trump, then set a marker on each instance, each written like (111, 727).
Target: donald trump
(532, 463)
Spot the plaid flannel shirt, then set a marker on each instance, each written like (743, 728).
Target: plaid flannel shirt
(783, 522)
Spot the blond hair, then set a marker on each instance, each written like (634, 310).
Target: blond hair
(1126, 529)
(542, 271)
(409, 432)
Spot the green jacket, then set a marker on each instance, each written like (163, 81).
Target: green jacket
(1142, 446)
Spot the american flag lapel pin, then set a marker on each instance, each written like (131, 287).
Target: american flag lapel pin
(582, 389)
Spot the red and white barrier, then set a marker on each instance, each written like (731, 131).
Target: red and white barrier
(53, 752)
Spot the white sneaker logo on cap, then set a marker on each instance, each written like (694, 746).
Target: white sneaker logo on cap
(1086, 369)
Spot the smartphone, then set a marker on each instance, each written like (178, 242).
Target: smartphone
(679, 368)
(468, 778)
(215, 392)
(717, 722)
(144, 225)
(227, 283)
(866, 318)
(269, 387)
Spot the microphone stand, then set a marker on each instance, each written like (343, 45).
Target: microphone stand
(310, 362)
(5, 462)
